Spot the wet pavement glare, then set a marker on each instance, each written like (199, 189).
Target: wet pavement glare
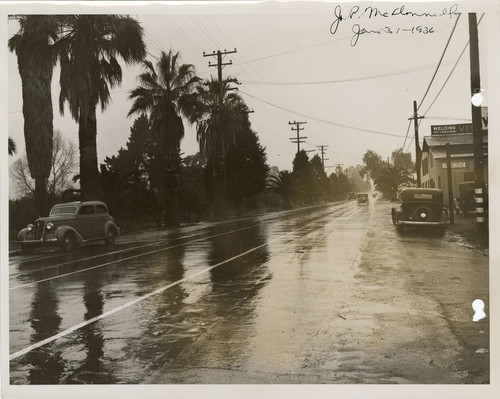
(330, 294)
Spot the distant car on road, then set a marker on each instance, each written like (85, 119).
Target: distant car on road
(69, 225)
(420, 207)
(362, 198)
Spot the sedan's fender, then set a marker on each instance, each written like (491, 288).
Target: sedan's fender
(21, 236)
(111, 225)
(62, 230)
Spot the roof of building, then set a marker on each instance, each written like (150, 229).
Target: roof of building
(453, 139)
(441, 154)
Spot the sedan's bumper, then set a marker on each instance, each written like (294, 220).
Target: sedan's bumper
(38, 243)
(421, 224)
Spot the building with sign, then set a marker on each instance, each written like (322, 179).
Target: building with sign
(433, 167)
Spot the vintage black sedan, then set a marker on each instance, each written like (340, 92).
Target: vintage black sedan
(420, 208)
(69, 225)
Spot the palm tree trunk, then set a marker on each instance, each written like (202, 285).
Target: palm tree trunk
(172, 217)
(87, 137)
(41, 196)
(36, 77)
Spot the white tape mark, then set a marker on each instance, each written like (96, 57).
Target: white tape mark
(478, 306)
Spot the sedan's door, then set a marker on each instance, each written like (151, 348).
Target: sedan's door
(86, 222)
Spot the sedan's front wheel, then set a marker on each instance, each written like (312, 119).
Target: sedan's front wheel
(27, 249)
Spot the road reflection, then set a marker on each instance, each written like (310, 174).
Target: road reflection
(92, 368)
(47, 366)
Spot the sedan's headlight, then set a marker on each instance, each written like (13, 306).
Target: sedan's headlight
(30, 227)
(49, 226)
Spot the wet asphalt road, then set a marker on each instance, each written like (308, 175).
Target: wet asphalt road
(330, 294)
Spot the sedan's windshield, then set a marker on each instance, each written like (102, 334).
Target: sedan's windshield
(60, 210)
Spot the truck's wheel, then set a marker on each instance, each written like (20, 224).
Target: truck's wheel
(399, 227)
(68, 242)
(27, 249)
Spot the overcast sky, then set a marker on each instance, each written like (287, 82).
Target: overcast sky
(292, 67)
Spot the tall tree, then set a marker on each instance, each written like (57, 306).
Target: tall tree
(390, 178)
(321, 181)
(88, 49)
(303, 178)
(402, 159)
(165, 95)
(246, 168)
(220, 115)
(373, 164)
(34, 47)
(62, 167)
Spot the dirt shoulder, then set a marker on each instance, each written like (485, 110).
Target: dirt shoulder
(464, 229)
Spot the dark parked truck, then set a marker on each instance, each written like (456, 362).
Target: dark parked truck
(466, 201)
(69, 225)
(420, 207)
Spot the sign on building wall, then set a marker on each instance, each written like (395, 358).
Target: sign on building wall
(461, 127)
(484, 118)
(451, 129)
(455, 165)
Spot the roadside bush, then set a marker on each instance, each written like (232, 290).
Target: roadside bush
(265, 202)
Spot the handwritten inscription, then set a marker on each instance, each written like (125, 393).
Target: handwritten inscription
(356, 13)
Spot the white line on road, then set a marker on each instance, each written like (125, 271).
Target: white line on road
(142, 298)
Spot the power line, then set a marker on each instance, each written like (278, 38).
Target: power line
(453, 70)
(439, 63)
(324, 82)
(322, 120)
(444, 84)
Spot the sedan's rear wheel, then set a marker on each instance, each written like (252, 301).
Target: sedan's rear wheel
(110, 237)
(68, 242)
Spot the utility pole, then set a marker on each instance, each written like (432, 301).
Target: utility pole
(477, 132)
(219, 63)
(338, 168)
(418, 152)
(323, 154)
(451, 207)
(297, 139)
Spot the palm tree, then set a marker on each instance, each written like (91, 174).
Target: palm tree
(220, 114)
(12, 147)
(282, 184)
(166, 94)
(33, 45)
(88, 49)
